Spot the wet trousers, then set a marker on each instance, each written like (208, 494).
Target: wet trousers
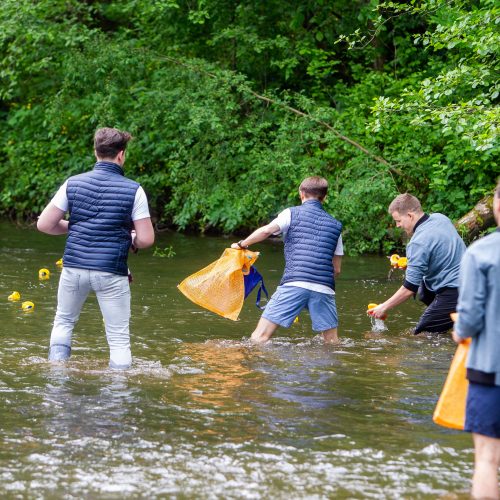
(440, 304)
(113, 294)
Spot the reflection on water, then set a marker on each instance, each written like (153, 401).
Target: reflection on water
(203, 413)
(222, 375)
(71, 410)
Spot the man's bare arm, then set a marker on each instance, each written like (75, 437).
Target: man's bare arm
(337, 264)
(260, 234)
(144, 233)
(51, 220)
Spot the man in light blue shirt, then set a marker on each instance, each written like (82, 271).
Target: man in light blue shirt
(434, 253)
(479, 318)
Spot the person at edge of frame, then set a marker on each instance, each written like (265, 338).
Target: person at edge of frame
(108, 215)
(313, 255)
(479, 318)
(434, 253)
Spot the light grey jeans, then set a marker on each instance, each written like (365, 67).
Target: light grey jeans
(112, 292)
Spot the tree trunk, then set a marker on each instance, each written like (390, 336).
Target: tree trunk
(480, 218)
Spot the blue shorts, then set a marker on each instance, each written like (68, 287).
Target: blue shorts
(482, 413)
(287, 302)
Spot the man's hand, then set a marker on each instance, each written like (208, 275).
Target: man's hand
(239, 245)
(379, 312)
(456, 338)
(133, 248)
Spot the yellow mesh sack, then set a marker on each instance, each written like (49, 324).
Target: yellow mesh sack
(450, 408)
(219, 287)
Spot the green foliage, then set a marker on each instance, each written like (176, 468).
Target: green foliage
(459, 92)
(414, 83)
(167, 252)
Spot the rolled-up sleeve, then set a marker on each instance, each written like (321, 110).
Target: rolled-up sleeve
(472, 297)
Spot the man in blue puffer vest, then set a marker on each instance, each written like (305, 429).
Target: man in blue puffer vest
(313, 254)
(108, 214)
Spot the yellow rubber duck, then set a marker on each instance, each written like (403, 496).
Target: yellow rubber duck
(394, 259)
(44, 274)
(28, 306)
(59, 263)
(373, 306)
(14, 296)
(402, 263)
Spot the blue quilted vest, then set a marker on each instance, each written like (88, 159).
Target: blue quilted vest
(310, 244)
(100, 207)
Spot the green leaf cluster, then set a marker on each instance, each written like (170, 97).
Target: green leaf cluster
(231, 104)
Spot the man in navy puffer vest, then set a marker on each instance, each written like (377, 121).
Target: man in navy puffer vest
(108, 213)
(313, 254)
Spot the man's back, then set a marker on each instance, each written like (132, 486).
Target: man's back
(434, 253)
(310, 244)
(478, 307)
(100, 204)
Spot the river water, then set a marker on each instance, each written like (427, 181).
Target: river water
(205, 414)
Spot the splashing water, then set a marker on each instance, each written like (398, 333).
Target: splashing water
(378, 325)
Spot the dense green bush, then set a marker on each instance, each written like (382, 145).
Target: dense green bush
(209, 93)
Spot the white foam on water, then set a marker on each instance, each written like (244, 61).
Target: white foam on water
(33, 360)
(186, 370)
(378, 325)
(238, 470)
(330, 436)
(14, 486)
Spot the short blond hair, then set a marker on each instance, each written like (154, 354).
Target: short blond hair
(404, 203)
(314, 187)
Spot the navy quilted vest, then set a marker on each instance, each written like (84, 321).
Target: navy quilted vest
(310, 244)
(100, 207)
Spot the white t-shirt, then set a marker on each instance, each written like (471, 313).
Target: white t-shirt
(139, 211)
(283, 220)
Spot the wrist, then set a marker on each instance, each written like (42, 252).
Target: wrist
(240, 244)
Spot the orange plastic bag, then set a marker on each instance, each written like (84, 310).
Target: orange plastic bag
(219, 287)
(450, 408)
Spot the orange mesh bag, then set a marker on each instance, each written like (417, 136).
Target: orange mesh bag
(450, 408)
(219, 287)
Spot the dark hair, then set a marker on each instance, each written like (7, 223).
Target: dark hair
(314, 187)
(404, 203)
(108, 142)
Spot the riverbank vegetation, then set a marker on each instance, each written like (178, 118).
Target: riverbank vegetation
(232, 103)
